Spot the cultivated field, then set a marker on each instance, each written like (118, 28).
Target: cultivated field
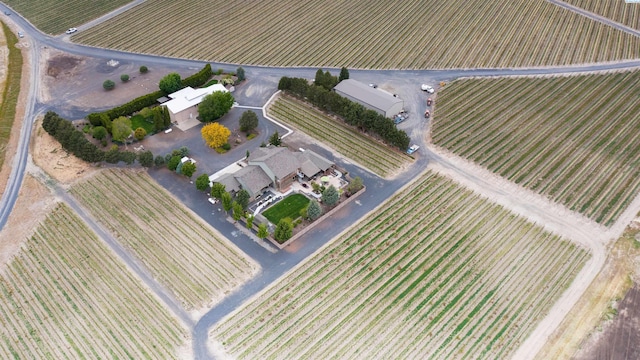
(618, 10)
(436, 272)
(183, 253)
(574, 139)
(342, 138)
(361, 34)
(65, 295)
(55, 16)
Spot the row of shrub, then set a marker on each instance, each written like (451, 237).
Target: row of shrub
(351, 112)
(139, 103)
(74, 141)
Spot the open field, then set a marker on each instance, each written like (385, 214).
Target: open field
(581, 331)
(54, 16)
(341, 137)
(10, 89)
(183, 253)
(65, 295)
(436, 272)
(289, 207)
(359, 34)
(617, 10)
(574, 139)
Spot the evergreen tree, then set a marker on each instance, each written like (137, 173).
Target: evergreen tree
(330, 196)
(284, 230)
(314, 210)
(344, 74)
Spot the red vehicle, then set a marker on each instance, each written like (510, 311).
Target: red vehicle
(427, 114)
(429, 101)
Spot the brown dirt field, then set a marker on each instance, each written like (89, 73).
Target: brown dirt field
(621, 337)
(580, 335)
(55, 161)
(34, 202)
(73, 81)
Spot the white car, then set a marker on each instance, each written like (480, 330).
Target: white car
(413, 148)
(427, 88)
(212, 201)
(71, 30)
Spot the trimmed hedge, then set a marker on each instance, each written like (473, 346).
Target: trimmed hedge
(71, 139)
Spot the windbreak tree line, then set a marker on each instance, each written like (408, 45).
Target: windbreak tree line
(351, 112)
(75, 142)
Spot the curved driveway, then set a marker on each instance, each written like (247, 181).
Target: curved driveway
(274, 265)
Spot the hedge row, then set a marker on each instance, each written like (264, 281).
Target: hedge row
(97, 119)
(71, 139)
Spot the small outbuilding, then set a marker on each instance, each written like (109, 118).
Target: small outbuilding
(372, 98)
(183, 104)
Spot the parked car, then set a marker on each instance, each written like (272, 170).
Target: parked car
(213, 201)
(71, 30)
(413, 148)
(7, 13)
(20, 34)
(427, 88)
(373, 85)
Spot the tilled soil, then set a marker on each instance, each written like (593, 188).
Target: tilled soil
(620, 340)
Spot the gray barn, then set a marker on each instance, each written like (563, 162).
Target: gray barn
(374, 99)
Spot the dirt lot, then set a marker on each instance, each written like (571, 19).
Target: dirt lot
(76, 82)
(34, 202)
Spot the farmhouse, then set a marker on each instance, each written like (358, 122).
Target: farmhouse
(374, 99)
(183, 104)
(276, 167)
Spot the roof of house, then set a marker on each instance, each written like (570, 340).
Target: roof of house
(229, 181)
(187, 97)
(312, 163)
(367, 94)
(253, 179)
(279, 160)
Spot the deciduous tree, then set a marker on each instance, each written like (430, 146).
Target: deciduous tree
(214, 106)
(355, 185)
(284, 230)
(121, 128)
(188, 169)
(202, 182)
(250, 221)
(227, 201)
(215, 135)
(263, 231)
(248, 121)
(170, 83)
(238, 211)
(173, 163)
(217, 189)
(159, 160)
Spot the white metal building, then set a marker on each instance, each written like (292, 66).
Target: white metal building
(374, 99)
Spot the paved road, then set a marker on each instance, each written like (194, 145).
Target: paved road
(262, 84)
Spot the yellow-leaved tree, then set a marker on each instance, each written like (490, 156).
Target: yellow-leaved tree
(215, 135)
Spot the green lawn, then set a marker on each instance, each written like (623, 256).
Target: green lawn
(289, 207)
(139, 121)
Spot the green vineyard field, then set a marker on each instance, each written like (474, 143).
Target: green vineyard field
(342, 138)
(434, 273)
(574, 139)
(182, 252)
(67, 296)
(361, 34)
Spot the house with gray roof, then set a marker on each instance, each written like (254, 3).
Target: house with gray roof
(375, 99)
(276, 167)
